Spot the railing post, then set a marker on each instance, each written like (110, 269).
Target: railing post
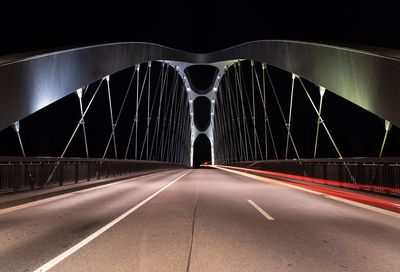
(42, 174)
(18, 177)
(343, 173)
(61, 174)
(98, 169)
(88, 171)
(76, 166)
(30, 179)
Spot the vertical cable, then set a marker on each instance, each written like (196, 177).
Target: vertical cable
(16, 128)
(290, 116)
(137, 108)
(281, 111)
(79, 94)
(266, 118)
(254, 109)
(148, 113)
(80, 121)
(388, 126)
(111, 116)
(322, 121)
(321, 96)
(119, 113)
(232, 104)
(265, 110)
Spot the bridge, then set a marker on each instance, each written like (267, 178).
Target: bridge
(101, 147)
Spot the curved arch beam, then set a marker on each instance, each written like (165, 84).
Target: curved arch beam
(368, 77)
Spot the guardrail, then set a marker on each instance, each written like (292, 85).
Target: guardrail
(29, 173)
(370, 174)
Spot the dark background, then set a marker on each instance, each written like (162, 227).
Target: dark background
(197, 26)
(203, 26)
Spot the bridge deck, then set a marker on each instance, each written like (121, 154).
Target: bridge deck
(208, 220)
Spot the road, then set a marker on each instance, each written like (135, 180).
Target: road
(206, 220)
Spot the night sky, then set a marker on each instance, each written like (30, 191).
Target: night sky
(197, 27)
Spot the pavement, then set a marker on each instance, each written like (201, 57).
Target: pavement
(22, 197)
(385, 201)
(197, 220)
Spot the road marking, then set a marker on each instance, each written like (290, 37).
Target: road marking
(264, 213)
(365, 206)
(350, 202)
(53, 198)
(93, 236)
(268, 180)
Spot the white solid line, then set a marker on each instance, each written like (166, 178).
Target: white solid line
(91, 237)
(268, 180)
(365, 206)
(266, 215)
(360, 205)
(53, 198)
(31, 204)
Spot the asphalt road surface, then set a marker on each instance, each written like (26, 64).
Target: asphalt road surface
(206, 220)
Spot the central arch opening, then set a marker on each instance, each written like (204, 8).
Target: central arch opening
(202, 151)
(201, 77)
(202, 110)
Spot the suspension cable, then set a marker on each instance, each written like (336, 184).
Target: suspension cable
(322, 121)
(120, 111)
(281, 111)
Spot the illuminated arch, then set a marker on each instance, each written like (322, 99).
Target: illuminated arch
(368, 77)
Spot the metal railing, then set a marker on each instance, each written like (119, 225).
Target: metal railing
(371, 174)
(17, 173)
